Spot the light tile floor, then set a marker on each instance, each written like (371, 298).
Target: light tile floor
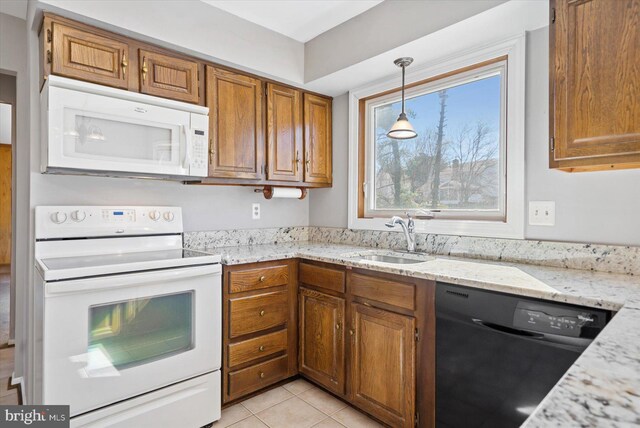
(297, 404)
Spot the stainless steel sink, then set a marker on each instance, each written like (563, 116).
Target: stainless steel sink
(390, 259)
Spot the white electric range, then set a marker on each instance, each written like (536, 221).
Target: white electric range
(128, 323)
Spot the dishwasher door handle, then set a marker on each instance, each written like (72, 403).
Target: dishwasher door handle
(508, 330)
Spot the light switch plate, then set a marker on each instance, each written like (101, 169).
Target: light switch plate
(255, 211)
(542, 213)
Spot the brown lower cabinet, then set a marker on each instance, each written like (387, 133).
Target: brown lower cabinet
(260, 330)
(367, 337)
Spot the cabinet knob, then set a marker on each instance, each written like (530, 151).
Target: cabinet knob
(351, 332)
(261, 348)
(262, 313)
(337, 326)
(262, 278)
(261, 375)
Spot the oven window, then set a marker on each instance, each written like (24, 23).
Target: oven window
(138, 331)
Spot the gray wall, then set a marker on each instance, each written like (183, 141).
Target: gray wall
(594, 207)
(388, 25)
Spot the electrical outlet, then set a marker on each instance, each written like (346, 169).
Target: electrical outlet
(255, 211)
(542, 213)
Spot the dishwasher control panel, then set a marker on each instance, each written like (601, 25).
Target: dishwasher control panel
(560, 320)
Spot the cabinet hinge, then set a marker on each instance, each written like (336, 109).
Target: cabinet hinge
(417, 335)
(553, 15)
(48, 57)
(417, 422)
(552, 144)
(48, 35)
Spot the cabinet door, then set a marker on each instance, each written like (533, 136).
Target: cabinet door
(321, 356)
(82, 55)
(235, 121)
(383, 364)
(168, 76)
(317, 139)
(595, 52)
(284, 133)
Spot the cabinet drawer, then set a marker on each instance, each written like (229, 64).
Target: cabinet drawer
(256, 313)
(258, 376)
(255, 279)
(248, 350)
(383, 290)
(330, 279)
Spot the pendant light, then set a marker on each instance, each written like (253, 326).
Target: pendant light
(402, 129)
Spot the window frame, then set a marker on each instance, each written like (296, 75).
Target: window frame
(513, 224)
(476, 72)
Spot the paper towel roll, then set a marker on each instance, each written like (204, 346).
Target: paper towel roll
(286, 192)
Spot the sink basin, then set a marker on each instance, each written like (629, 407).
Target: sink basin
(388, 256)
(390, 259)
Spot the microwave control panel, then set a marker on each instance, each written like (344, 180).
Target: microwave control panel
(199, 146)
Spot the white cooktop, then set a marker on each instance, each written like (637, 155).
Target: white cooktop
(57, 268)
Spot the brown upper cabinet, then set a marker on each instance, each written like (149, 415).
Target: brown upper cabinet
(284, 133)
(317, 139)
(595, 95)
(236, 148)
(168, 76)
(86, 56)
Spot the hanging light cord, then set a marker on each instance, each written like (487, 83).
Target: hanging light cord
(403, 88)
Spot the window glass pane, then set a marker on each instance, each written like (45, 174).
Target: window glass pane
(454, 162)
(136, 331)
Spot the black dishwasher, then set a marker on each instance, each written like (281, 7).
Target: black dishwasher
(498, 355)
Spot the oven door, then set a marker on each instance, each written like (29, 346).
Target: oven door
(100, 133)
(111, 338)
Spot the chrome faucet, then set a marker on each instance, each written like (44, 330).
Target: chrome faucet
(408, 229)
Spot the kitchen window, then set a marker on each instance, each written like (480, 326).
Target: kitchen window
(455, 167)
(465, 167)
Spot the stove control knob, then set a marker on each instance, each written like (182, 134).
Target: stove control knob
(154, 215)
(168, 216)
(78, 215)
(58, 217)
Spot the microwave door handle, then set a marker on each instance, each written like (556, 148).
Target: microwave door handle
(187, 151)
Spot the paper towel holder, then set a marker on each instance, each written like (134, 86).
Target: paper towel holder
(267, 191)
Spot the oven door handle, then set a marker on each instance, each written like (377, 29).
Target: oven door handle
(128, 280)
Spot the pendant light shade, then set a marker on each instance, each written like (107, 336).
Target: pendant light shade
(402, 129)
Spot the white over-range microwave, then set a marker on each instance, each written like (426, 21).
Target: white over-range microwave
(93, 129)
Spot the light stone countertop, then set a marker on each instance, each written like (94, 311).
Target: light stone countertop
(602, 389)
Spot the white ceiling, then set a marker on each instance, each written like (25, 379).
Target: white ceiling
(301, 20)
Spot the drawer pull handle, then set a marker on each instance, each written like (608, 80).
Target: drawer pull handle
(261, 348)
(262, 313)
(262, 278)
(261, 375)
